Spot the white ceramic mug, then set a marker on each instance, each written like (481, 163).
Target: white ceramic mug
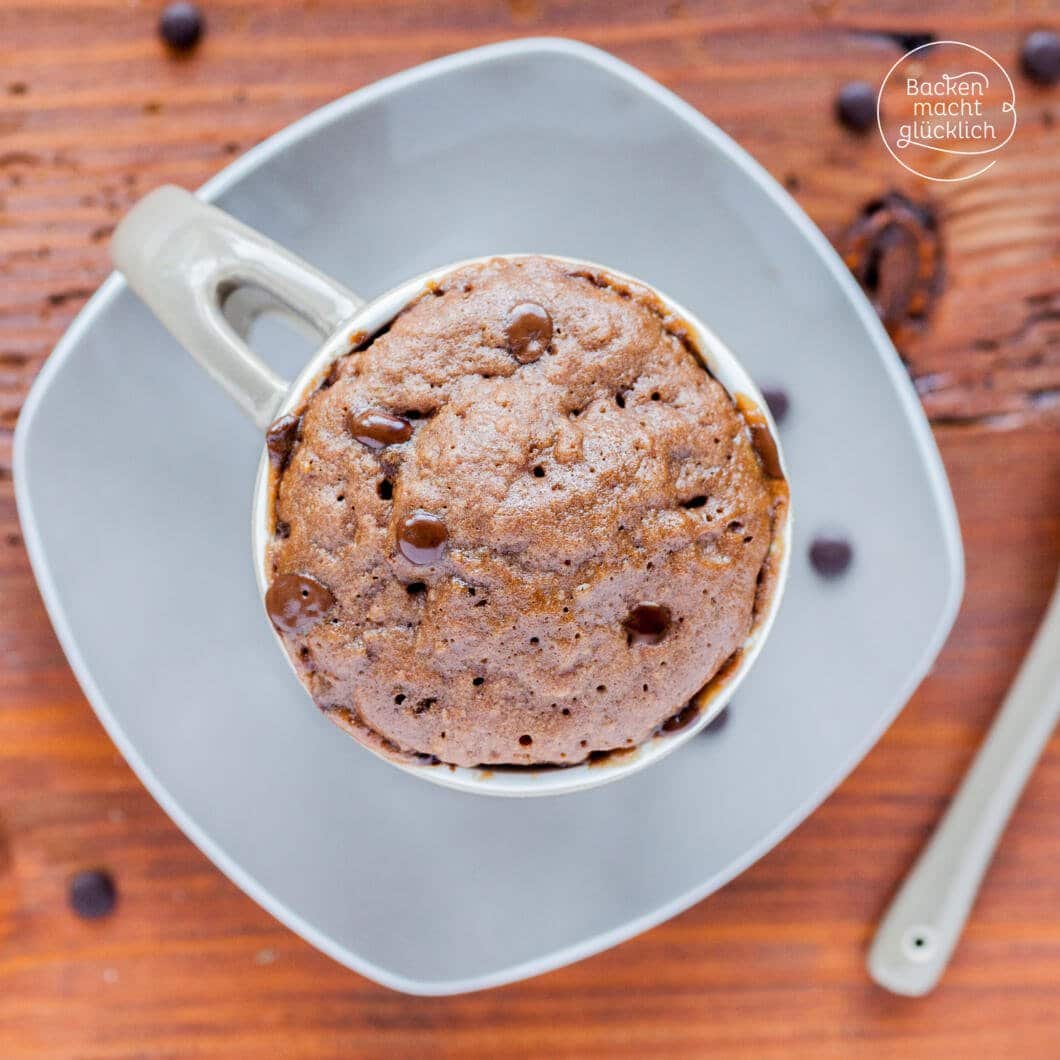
(207, 277)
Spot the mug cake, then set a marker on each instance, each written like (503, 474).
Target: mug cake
(522, 525)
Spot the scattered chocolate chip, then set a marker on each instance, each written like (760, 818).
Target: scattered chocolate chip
(92, 894)
(682, 719)
(855, 106)
(647, 623)
(529, 331)
(1040, 56)
(377, 429)
(778, 402)
(719, 721)
(416, 588)
(282, 529)
(895, 252)
(421, 538)
(180, 25)
(830, 556)
(908, 41)
(526, 740)
(280, 439)
(296, 602)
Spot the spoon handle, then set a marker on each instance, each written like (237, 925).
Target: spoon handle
(923, 924)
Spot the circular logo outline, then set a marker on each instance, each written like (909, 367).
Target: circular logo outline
(986, 151)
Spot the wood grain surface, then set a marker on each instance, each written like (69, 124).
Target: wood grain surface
(94, 112)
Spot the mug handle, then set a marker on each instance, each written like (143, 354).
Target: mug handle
(207, 277)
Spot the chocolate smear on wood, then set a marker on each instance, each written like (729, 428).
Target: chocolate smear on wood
(895, 251)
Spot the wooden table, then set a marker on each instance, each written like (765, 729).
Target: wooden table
(93, 113)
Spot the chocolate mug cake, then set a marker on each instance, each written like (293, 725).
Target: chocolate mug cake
(522, 524)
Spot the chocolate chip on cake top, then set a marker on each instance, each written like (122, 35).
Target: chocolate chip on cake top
(522, 525)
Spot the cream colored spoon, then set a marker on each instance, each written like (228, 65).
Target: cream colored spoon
(924, 922)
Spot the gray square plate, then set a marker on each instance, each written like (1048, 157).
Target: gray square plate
(134, 477)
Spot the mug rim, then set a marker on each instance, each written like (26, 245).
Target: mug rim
(523, 781)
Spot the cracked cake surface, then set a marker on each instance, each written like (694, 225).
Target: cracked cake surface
(521, 525)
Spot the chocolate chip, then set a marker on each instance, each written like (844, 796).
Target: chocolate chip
(529, 331)
(831, 556)
(778, 402)
(908, 41)
(296, 602)
(421, 538)
(647, 623)
(1040, 56)
(280, 439)
(719, 721)
(526, 740)
(855, 106)
(377, 429)
(181, 25)
(92, 894)
(682, 719)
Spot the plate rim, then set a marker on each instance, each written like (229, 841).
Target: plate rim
(288, 137)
